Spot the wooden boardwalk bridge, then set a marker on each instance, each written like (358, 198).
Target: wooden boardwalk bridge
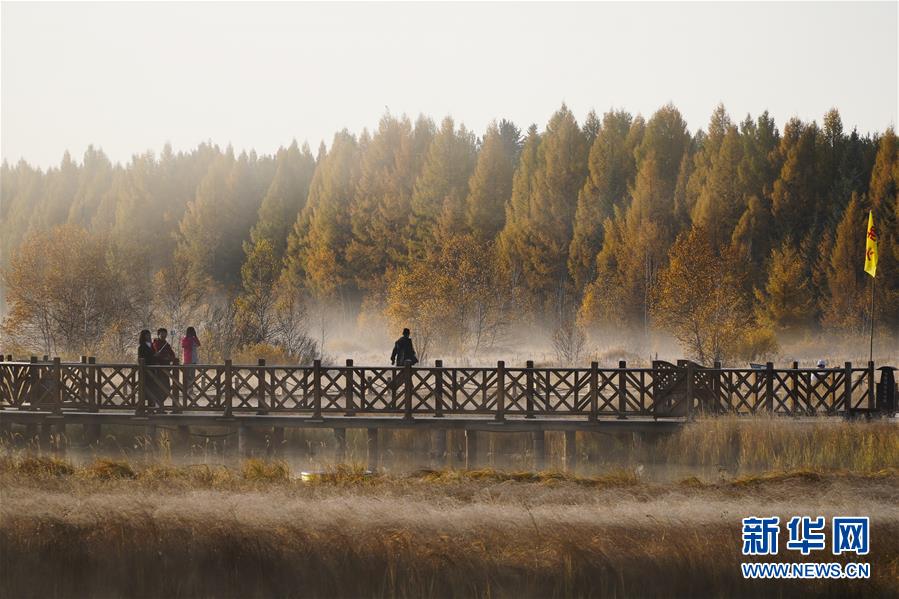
(498, 398)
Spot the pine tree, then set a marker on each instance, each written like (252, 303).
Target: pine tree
(316, 256)
(94, 181)
(787, 304)
(381, 209)
(636, 240)
(512, 239)
(219, 219)
(539, 224)
(285, 197)
(752, 237)
(490, 186)
(794, 194)
(721, 201)
(438, 199)
(845, 308)
(611, 171)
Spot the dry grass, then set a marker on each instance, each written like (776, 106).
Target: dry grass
(150, 528)
(259, 530)
(780, 444)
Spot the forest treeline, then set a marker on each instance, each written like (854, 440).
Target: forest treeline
(732, 239)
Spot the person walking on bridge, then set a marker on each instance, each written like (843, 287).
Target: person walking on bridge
(402, 351)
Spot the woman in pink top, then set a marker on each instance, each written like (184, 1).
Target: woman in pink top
(190, 345)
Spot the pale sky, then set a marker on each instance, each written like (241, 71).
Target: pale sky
(132, 76)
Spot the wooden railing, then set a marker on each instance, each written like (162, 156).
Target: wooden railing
(500, 392)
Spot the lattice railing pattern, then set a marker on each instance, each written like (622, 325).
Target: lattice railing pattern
(499, 391)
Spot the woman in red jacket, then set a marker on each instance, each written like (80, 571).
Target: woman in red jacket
(190, 354)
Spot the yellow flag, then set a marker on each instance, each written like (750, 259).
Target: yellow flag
(871, 246)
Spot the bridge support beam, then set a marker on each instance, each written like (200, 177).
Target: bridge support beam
(570, 451)
(31, 434)
(46, 435)
(471, 449)
(374, 451)
(93, 433)
(150, 437)
(438, 448)
(182, 438)
(278, 441)
(539, 441)
(243, 441)
(59, 440)
(340, 445)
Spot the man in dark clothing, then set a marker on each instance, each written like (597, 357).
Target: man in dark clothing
(403, 350)
(163, 355)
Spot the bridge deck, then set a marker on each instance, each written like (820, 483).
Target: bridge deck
(472, 422)
(500, 393)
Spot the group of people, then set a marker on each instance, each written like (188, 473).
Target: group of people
(159, 352)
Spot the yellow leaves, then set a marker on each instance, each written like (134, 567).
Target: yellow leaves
(700, 300)
(450, 295)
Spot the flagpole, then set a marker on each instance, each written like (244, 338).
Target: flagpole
(871, 355)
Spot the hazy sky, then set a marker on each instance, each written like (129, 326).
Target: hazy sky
(130, 77)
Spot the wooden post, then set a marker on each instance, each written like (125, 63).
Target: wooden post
(794, 388)
(407, 390)
(716, 387)
(272, 389)
(622, 389)
(142, 382)
(93, 430)
(500, 391)
(689, 398)
(570, 451)
(438, 453)
(529, 389)
(260, 387)
(594, 391)
(373, 449)
(438, 395)
(847, 387)
(229, 390)
(317, 389)
(340, 445)
(349, 391)
(33, 379)
(471, 449)
(57, 386)
(178, 379)
(769, 387)
(539, 443)
(872, 396)
(82, 382)
(93, 382)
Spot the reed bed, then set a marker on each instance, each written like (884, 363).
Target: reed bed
(114, 529)
(158, 527)
(778, 444)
